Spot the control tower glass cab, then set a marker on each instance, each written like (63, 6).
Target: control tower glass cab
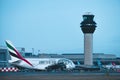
(88, 26)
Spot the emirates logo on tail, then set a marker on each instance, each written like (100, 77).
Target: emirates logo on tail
(13, 52)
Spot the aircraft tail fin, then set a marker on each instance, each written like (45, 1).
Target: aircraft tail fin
(99, 63)
(15, 55)
(113, 64)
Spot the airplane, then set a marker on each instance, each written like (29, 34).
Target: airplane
(115, 66)
(112, 65)
(109, 66)
(19, 61)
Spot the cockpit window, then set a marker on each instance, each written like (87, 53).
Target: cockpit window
(65, 61)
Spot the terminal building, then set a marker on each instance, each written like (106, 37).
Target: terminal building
(4, 56)
(75, 57)
(79, 57)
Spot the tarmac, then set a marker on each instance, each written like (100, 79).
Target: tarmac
(59, 76)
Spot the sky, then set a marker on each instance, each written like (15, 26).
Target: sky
(53, 26)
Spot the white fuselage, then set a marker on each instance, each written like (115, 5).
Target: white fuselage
(42, 63)
(112, 66)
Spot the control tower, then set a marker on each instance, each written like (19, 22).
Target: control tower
(88, 26)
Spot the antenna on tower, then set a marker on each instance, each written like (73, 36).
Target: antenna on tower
(88, 13)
